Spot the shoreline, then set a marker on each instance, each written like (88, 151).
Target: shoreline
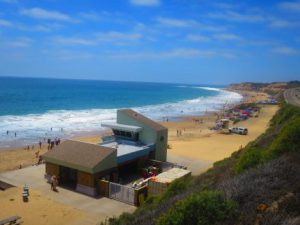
(24, 142)
(68, 124)
(12, 158)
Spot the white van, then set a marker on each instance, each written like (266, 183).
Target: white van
(239, 130)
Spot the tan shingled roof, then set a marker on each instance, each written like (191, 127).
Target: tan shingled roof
(79, 153)
(139, 117)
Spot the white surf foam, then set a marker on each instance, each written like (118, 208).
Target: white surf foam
(65, 123)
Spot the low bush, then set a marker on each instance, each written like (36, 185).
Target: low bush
(282, 136)
(249, 158)
(204, 208)
(287, 141)
(176, 187)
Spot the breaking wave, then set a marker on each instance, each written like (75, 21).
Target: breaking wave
(65, 123)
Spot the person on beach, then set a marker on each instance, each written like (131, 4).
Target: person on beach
(15, 134)
(52, 182)
(40, 144)
(7, 132)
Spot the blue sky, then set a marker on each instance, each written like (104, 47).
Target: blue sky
(182, 41)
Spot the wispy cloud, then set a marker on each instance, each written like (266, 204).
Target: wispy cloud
(39, 13)
(5, 23)
(282, 23)
(237, 17)
(171, 22)
(115, 36)
(197, 38)
(91, 15)
(10, 1)
(73, 41)
(68, 55)
(284, 50)
(18, 43)
(145, 2)
(223, 5)
(227, 37)
(290, 6)
(175, 53)
(112, 37)
(46, 28)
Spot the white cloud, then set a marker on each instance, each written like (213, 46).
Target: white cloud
(223, 5)
(170, 22)
(174, 53)
(281, 23)
(18, 43)
(5, 23)
(91, 15)
(237, 17)
(73, 41)
(291, 6)
(9, 1)
(285, 51)
(227, 37)
(197, 38)
(68, 55)
(39, 13)
(145, 2)
(114, 36)
(39, 28)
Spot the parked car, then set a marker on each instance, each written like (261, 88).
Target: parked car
(239, 130)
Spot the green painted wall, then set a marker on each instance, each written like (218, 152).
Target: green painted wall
(148, 135)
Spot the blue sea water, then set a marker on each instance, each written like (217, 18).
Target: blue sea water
(32, 106)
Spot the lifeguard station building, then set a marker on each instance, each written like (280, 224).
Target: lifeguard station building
(135, 138)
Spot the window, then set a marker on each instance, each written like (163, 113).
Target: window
(162, 138)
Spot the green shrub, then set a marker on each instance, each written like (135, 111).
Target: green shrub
(176, 187)
(287, 141)
(124, 218)
(282, 136)
(204, 208)
(250, 158)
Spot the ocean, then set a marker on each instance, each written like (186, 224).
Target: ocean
(30, 107)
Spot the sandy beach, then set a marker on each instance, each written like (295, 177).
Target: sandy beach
(197, 143)
(39, 210)
(192, 138)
